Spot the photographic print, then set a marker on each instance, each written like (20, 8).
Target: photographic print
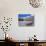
(25, 20)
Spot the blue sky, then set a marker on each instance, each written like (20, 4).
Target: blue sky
(24, 15)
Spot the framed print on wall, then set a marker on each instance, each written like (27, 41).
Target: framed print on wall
(25, 20)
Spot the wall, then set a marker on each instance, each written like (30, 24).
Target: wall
(45, 28)
(11, 8)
